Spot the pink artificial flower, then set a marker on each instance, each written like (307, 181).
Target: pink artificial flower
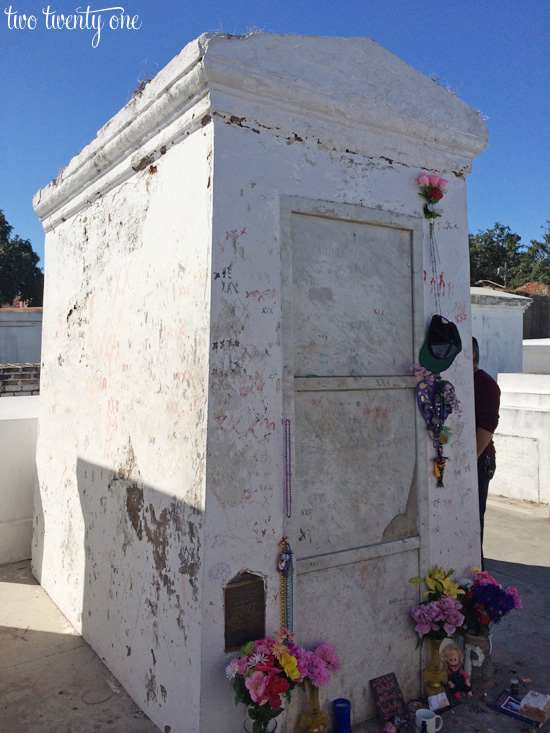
(317, 670)
(446, 604)
(484, 578)
(328, 654)
(442, 184)
(517, 599)
(434, 180)
(264, 646)
(243, 666)
(423, 180)
(451, 614)
(423, 615)
(453, 621)
(255, 684)
(434, 612)
(301, 657)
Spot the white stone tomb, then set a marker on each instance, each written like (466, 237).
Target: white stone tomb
(240, 257)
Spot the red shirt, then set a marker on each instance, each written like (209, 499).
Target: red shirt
(487, 402)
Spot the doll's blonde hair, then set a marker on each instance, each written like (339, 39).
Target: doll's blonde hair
(452, 648)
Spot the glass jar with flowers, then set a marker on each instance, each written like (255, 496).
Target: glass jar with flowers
(484, 604)
(269, 669)
(436, 618)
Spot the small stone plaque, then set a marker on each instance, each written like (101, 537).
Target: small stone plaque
(244, 602)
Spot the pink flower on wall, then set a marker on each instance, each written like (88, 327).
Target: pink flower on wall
(432, 190)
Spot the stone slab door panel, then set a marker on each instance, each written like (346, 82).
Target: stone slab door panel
(353, 324)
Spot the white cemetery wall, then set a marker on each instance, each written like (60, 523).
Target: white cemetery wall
(536, 356)
(18, 425)
(20, 335)
(522, 440)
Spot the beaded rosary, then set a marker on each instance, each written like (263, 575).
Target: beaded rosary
(288, 470)
(440, 410)
(285, 567)
(436, 398)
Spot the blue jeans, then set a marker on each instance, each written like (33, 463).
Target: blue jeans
(485, 472)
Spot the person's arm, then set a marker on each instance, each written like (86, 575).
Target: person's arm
(487, 407)
(483, 438)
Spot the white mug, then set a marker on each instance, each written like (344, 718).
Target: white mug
(433, 721)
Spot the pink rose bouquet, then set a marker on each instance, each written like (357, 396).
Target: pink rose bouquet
(432, 189)
(269, 669)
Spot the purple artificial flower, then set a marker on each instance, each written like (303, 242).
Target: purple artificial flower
(425, 374)
(496, 602)
(451, 400)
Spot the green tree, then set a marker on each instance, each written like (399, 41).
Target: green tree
(535, 262)
(19, 274)
(491, 250)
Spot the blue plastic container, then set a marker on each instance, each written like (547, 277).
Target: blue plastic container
(342, 715)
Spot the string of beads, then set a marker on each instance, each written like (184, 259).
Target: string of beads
(285, 567)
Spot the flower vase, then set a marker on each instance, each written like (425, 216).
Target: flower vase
(314, 718)
(435, 677)
(260, 726)
(478, 662)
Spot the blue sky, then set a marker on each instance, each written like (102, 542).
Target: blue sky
(57, 90)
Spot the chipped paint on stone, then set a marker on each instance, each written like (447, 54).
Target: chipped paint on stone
(134, 506)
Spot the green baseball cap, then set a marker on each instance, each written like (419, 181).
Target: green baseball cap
(441, 346)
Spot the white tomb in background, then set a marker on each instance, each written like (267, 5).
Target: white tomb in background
(238, 258)
(497, 323)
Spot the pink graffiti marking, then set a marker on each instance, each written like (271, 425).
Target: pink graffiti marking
(112, 422)
(269, 293)
(460, 312)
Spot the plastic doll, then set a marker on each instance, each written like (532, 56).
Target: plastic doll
(458, 683)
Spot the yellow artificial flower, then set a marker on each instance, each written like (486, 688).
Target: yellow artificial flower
(450, 589)
(439, 583)
(438, 573)
(290, 666)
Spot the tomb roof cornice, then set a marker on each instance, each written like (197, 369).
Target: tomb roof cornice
(348, 95)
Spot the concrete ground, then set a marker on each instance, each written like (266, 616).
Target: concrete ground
(52, 682)
(50, 679)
